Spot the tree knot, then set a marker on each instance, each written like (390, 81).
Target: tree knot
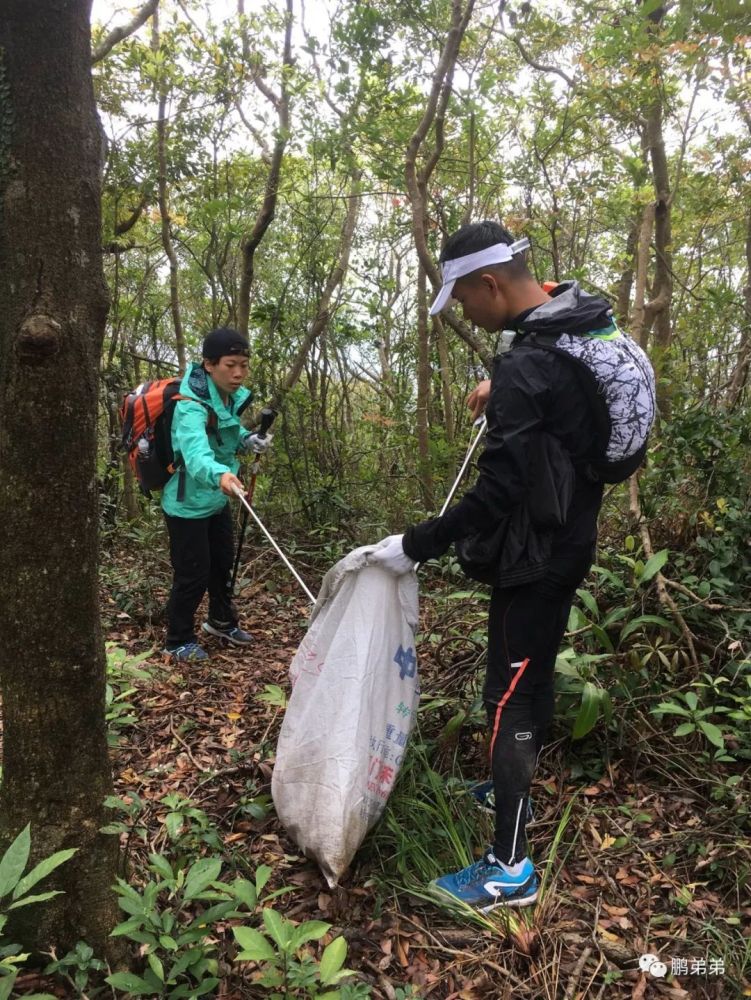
(39, 338)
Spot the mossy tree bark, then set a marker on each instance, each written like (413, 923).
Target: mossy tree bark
(53, 305)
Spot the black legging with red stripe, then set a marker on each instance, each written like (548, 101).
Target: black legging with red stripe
(526, 626)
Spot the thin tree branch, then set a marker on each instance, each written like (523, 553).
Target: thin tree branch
(123, 31)
(541, 67)
(268, 208)
(125, 225)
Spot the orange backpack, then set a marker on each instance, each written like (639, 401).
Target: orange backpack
(146, 417)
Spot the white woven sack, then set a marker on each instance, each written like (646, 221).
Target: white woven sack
(354, 698)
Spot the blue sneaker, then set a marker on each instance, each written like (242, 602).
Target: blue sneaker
(232, 633)
(486, 885)
(188, 651)
(484, 796)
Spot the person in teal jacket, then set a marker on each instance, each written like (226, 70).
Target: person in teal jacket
(206, 439)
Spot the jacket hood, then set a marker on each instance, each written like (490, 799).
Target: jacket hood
(196, 383)
(570, 310)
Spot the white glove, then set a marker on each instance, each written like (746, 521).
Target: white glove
(256, 444)
(390, 555)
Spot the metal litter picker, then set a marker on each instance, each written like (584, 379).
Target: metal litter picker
(241, 496)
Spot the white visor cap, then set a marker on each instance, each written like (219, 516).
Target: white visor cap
(499, 253)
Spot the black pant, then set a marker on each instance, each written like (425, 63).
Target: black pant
(202, 553)
(526, 626)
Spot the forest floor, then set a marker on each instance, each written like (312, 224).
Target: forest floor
(630, 870)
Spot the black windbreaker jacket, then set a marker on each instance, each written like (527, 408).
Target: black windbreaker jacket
(533, 500)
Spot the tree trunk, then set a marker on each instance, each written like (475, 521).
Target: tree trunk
(53, 306)
(268, 207)
(658, 309)
(130, 497)
(423, 391)
(638, 315)
(417, 179)
(443, 357)
(657, 312)
(739, 378)
(740, 373)
(626, 282)
(164, 213)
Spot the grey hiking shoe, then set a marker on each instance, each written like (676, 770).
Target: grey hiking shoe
(232, 633)
(188, 651)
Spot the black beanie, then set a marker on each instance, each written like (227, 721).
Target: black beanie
(223, 341)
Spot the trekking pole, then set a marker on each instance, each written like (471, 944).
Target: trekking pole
(241, 496)
(482, 425)
(267, 419)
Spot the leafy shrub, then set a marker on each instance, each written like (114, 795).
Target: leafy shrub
(174, 918)
(122, 670)
(14, 893)
(76, 967)
(287, 968)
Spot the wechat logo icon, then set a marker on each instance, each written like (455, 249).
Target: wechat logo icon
(652, 964)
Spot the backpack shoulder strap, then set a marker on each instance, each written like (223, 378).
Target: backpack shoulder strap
(212, 420)
(244, 405)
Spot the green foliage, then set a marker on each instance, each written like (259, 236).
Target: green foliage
(715, 712)
(131, 583)
(251, 805)
(699, 482)
(609, 619)
(174, 918)
(15, 892)
(187, 832)
(131, 809)
(287, 969)
(122, 670)
(696, 716)
(272, 694)
(188, 828)
(76, 968)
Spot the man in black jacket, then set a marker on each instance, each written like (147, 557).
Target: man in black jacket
(534, 400)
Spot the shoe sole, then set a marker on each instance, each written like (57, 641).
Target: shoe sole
(514, 903)
(441, 895)
(210, 630)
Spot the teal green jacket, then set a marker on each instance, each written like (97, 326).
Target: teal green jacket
(203, 455)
